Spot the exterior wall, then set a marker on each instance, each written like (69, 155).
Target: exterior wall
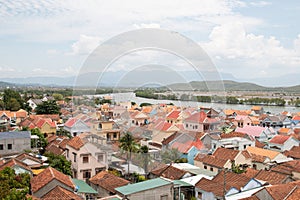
(263, 194)
(18, 145)
(154, 194)
(296, 175)
(235, 143)
(191, 155)
(46, 128)
(101, 191)
(240, 160)
(191, 126)
(92, 152)
(214, 170)
(259, 166)
(52, 184)
(79, 127)
(202, 195)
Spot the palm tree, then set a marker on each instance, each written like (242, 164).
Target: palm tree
(128, 144)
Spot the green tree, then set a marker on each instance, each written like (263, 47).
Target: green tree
(12, 100)
(42, 142)
(13, 186)
(57, 96)
(59, 162)
(47, 107)
(128, 144)
(145, 104)
(170, 155)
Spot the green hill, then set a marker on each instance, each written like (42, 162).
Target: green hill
(228, 86)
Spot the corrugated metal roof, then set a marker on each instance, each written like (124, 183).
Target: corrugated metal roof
(142, 186)
(16, 134)
(83, 187)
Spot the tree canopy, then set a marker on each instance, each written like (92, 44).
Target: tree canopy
(59, 162)
(47, 107)
(13, 186)
(12, 100)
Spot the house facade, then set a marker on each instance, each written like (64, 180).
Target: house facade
(14, 142)
(88, 156)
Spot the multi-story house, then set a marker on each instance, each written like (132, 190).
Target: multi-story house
(88, 154)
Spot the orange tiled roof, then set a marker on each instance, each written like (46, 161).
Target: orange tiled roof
(271, 177)
(279, 192)
(211, 160)
(60, 193)
(284, 130)
(15, 162)
(76, 142)
(169, 171)
(225, 154)
(108, 181)
(262, 152)
(43, 178)
(294, 195)
(279, 139)
(293, 153)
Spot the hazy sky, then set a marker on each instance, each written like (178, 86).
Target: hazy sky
(248, 39)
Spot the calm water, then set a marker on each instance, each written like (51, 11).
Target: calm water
(124, 97)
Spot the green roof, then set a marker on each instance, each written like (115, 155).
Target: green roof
(83, 187)
(141, 186)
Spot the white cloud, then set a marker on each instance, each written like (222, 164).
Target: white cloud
(85, 45)
(151, 25)
(260, 3)
(231, 43)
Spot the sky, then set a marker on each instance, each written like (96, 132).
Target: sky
(248, 39)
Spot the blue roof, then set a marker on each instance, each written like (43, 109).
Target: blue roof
(15, 135)
(142, 186)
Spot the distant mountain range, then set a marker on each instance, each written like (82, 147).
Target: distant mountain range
(228, 85)
(155, 76)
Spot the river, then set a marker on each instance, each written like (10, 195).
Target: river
(130, 96)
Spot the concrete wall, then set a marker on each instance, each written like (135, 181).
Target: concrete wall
(18, 145)
(154, 194)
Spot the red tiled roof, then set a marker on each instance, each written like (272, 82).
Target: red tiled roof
(61, 194)
(279, 192)
(198, 117)
(174, 114)
(54, 149)
(76, 142)
(15, 162)
(70, 122)
(271, 177)
(169, 171)
(287, 167)
(43, 178)
(293, 153)
(225, 154)
(279, 139)
(108, 181)
(232, 134)
(170, 138)
(296, 117)
(211, 160)
(185, 147)
(294, 195)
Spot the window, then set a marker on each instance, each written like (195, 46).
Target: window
(1, 146)
(9, 146)
(164, 197)
(205, 167)
(100, 158)
(75, 157)
(132, 121)
(86, 174)
(196, 126)
(245, 146)
(85, 159)
(211, 169)
(186, 125)
(115, 135)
